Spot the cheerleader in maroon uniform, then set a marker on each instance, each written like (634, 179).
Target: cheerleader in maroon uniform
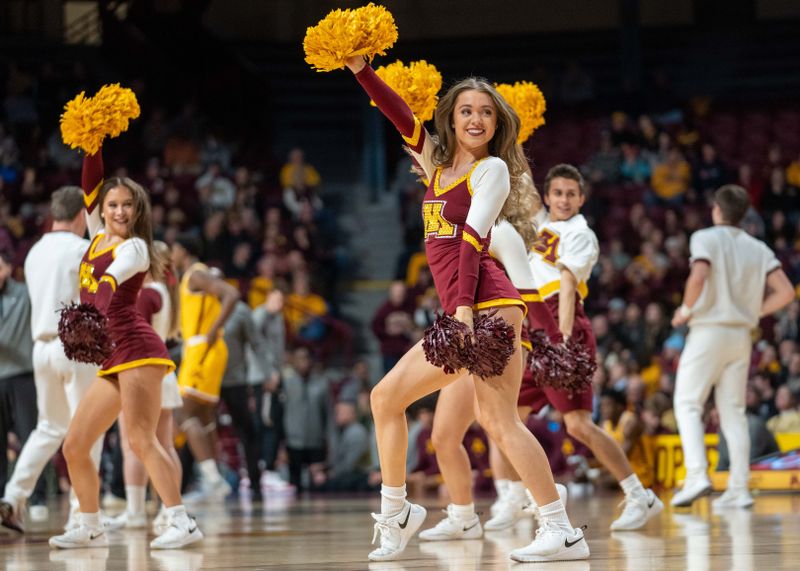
(130, 379)
(473, 169)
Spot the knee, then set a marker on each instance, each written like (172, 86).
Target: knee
(579, 428)
(444, 440)
(140, 443)
(73, 448)
(383, 402)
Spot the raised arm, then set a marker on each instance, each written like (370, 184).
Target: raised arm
(91, 181)
(397, 111)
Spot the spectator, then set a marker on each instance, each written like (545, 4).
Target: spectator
(625, 428)
(220, 190)
(304, 310)
(762, 442)
(634, 167)
(306, 417)
(17, 390)
(392, 325)
(788, 418)
(346, 472)
(671, 179)
(709, 172)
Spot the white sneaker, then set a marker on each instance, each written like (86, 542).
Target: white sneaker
(272, 484)
(692, 490)
(638, 511)
(80, 537)
(210, 491)
(453, 527)
(508, 513)
(111, 502)
(181, 532)
(38, 513)
(161, 521)
(396, 531)
(74, 520)
(127, 520)
(553, 543)
(733, 498)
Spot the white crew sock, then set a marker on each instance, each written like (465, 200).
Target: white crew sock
(464, 512)
(90, 520)
(556, 513)
(392, 499)
(632, 486)
(209, 471)
(135, 496)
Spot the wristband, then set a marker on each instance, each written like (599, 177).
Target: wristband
(685, 311)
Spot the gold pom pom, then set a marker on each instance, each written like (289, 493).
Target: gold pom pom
(86, 121)
(367, 31)
(418, 84)
(528, 101)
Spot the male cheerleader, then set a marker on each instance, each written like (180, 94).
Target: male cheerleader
(734, 281)
(561, 262)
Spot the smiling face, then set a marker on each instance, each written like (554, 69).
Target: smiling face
(119, 211)
(474, 119)
(564, 197)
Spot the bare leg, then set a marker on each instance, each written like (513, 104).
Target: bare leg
(501, 467)
(165, 436)
(132, 467)
(95, 414)
(497, 399)
(409, 380)
(141, 403)
(194, 417)
(580, 426)
(450, 424)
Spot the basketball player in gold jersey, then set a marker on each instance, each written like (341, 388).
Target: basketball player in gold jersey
(206, 301)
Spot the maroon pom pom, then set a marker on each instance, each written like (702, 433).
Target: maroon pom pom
(564, 366)
(584, 366)
(447, 344)
(82, 330)
(492, 346)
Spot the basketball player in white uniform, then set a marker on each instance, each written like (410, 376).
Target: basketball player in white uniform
(734, 281)
(51, 273)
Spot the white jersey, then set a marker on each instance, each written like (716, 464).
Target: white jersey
(569, 244)
(51, 274)
(734, 290)
(160, 320)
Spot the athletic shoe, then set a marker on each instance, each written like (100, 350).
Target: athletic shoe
(691, 491)
(509, 512)
(38, 513)
(396, 531)
(74, 520)
(211, 491)
(733, 498)
(80, 537)
(553, 543)
(126, 520)
(113, 503)
(161, 521)
(272, 484)
(638, 511)
(453, 527)
(11, 515)
(181, 532)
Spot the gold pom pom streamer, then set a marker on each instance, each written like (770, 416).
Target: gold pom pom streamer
(86, 121)
(528, 101)
(418, 83)
(367, 31)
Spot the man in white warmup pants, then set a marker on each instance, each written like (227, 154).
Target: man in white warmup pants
(51, 274)
(734, 281)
